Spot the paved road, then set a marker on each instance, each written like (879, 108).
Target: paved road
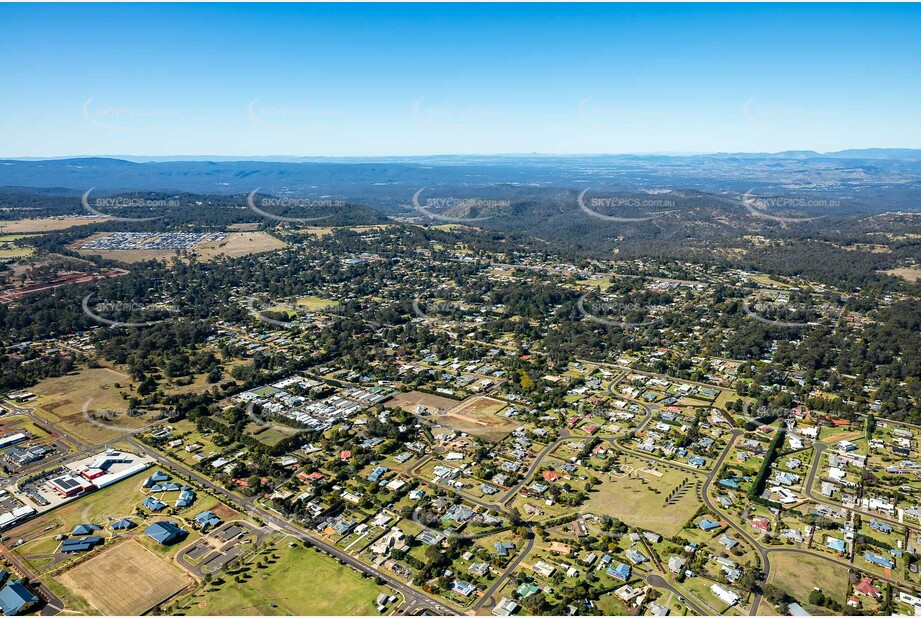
(54, 604)
(500, 581)
(765, 561)
(658, 581)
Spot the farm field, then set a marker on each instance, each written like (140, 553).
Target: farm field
(51, 224)
(639, 498)
(61, 401)
(290, 586)
(908, 274)
(126, 580)
(9, 250)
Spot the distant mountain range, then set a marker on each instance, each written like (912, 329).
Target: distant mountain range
(869, 180)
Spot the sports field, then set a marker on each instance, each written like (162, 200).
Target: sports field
(126, 580)
(299, 582)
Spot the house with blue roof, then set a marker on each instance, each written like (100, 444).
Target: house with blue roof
(81, 544)
(123, 524)
(186, 498)
(152, 504)
(165, 532)
(156, 477)
(83, 529)
(730, 483)
(636, 557)
(697, 461)
(15, 599)
(707, 525)
(207, 519)
(878, 560)
(465, 589)
(880, 526)
(620, 571)
(503, 548)
(377, 474)
(836, 544)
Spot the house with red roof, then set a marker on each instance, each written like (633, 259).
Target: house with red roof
(867, 589)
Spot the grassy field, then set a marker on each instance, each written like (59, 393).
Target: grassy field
(315, 303)
(908, 274)
(300, 582)
(43, 225)
(9, 250)
(638, 498)
(126, 580)
(61, 401)
(798, 574)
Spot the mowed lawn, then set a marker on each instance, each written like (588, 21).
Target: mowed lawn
(302, 582)
(797, 574)
(638, 499)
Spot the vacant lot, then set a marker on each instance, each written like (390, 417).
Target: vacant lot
(61, 401)
(411, 400)
(300, 582)
(126, 580)
(478, 416)
(638, 498)
(797, 574)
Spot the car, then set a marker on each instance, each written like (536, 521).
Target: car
(681, 598)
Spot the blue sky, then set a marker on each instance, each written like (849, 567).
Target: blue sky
(373, 79)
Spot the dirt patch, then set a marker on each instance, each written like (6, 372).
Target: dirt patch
(126, 580)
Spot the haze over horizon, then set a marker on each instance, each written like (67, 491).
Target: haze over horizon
(436, 80)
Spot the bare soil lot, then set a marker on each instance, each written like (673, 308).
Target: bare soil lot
(411, 400)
